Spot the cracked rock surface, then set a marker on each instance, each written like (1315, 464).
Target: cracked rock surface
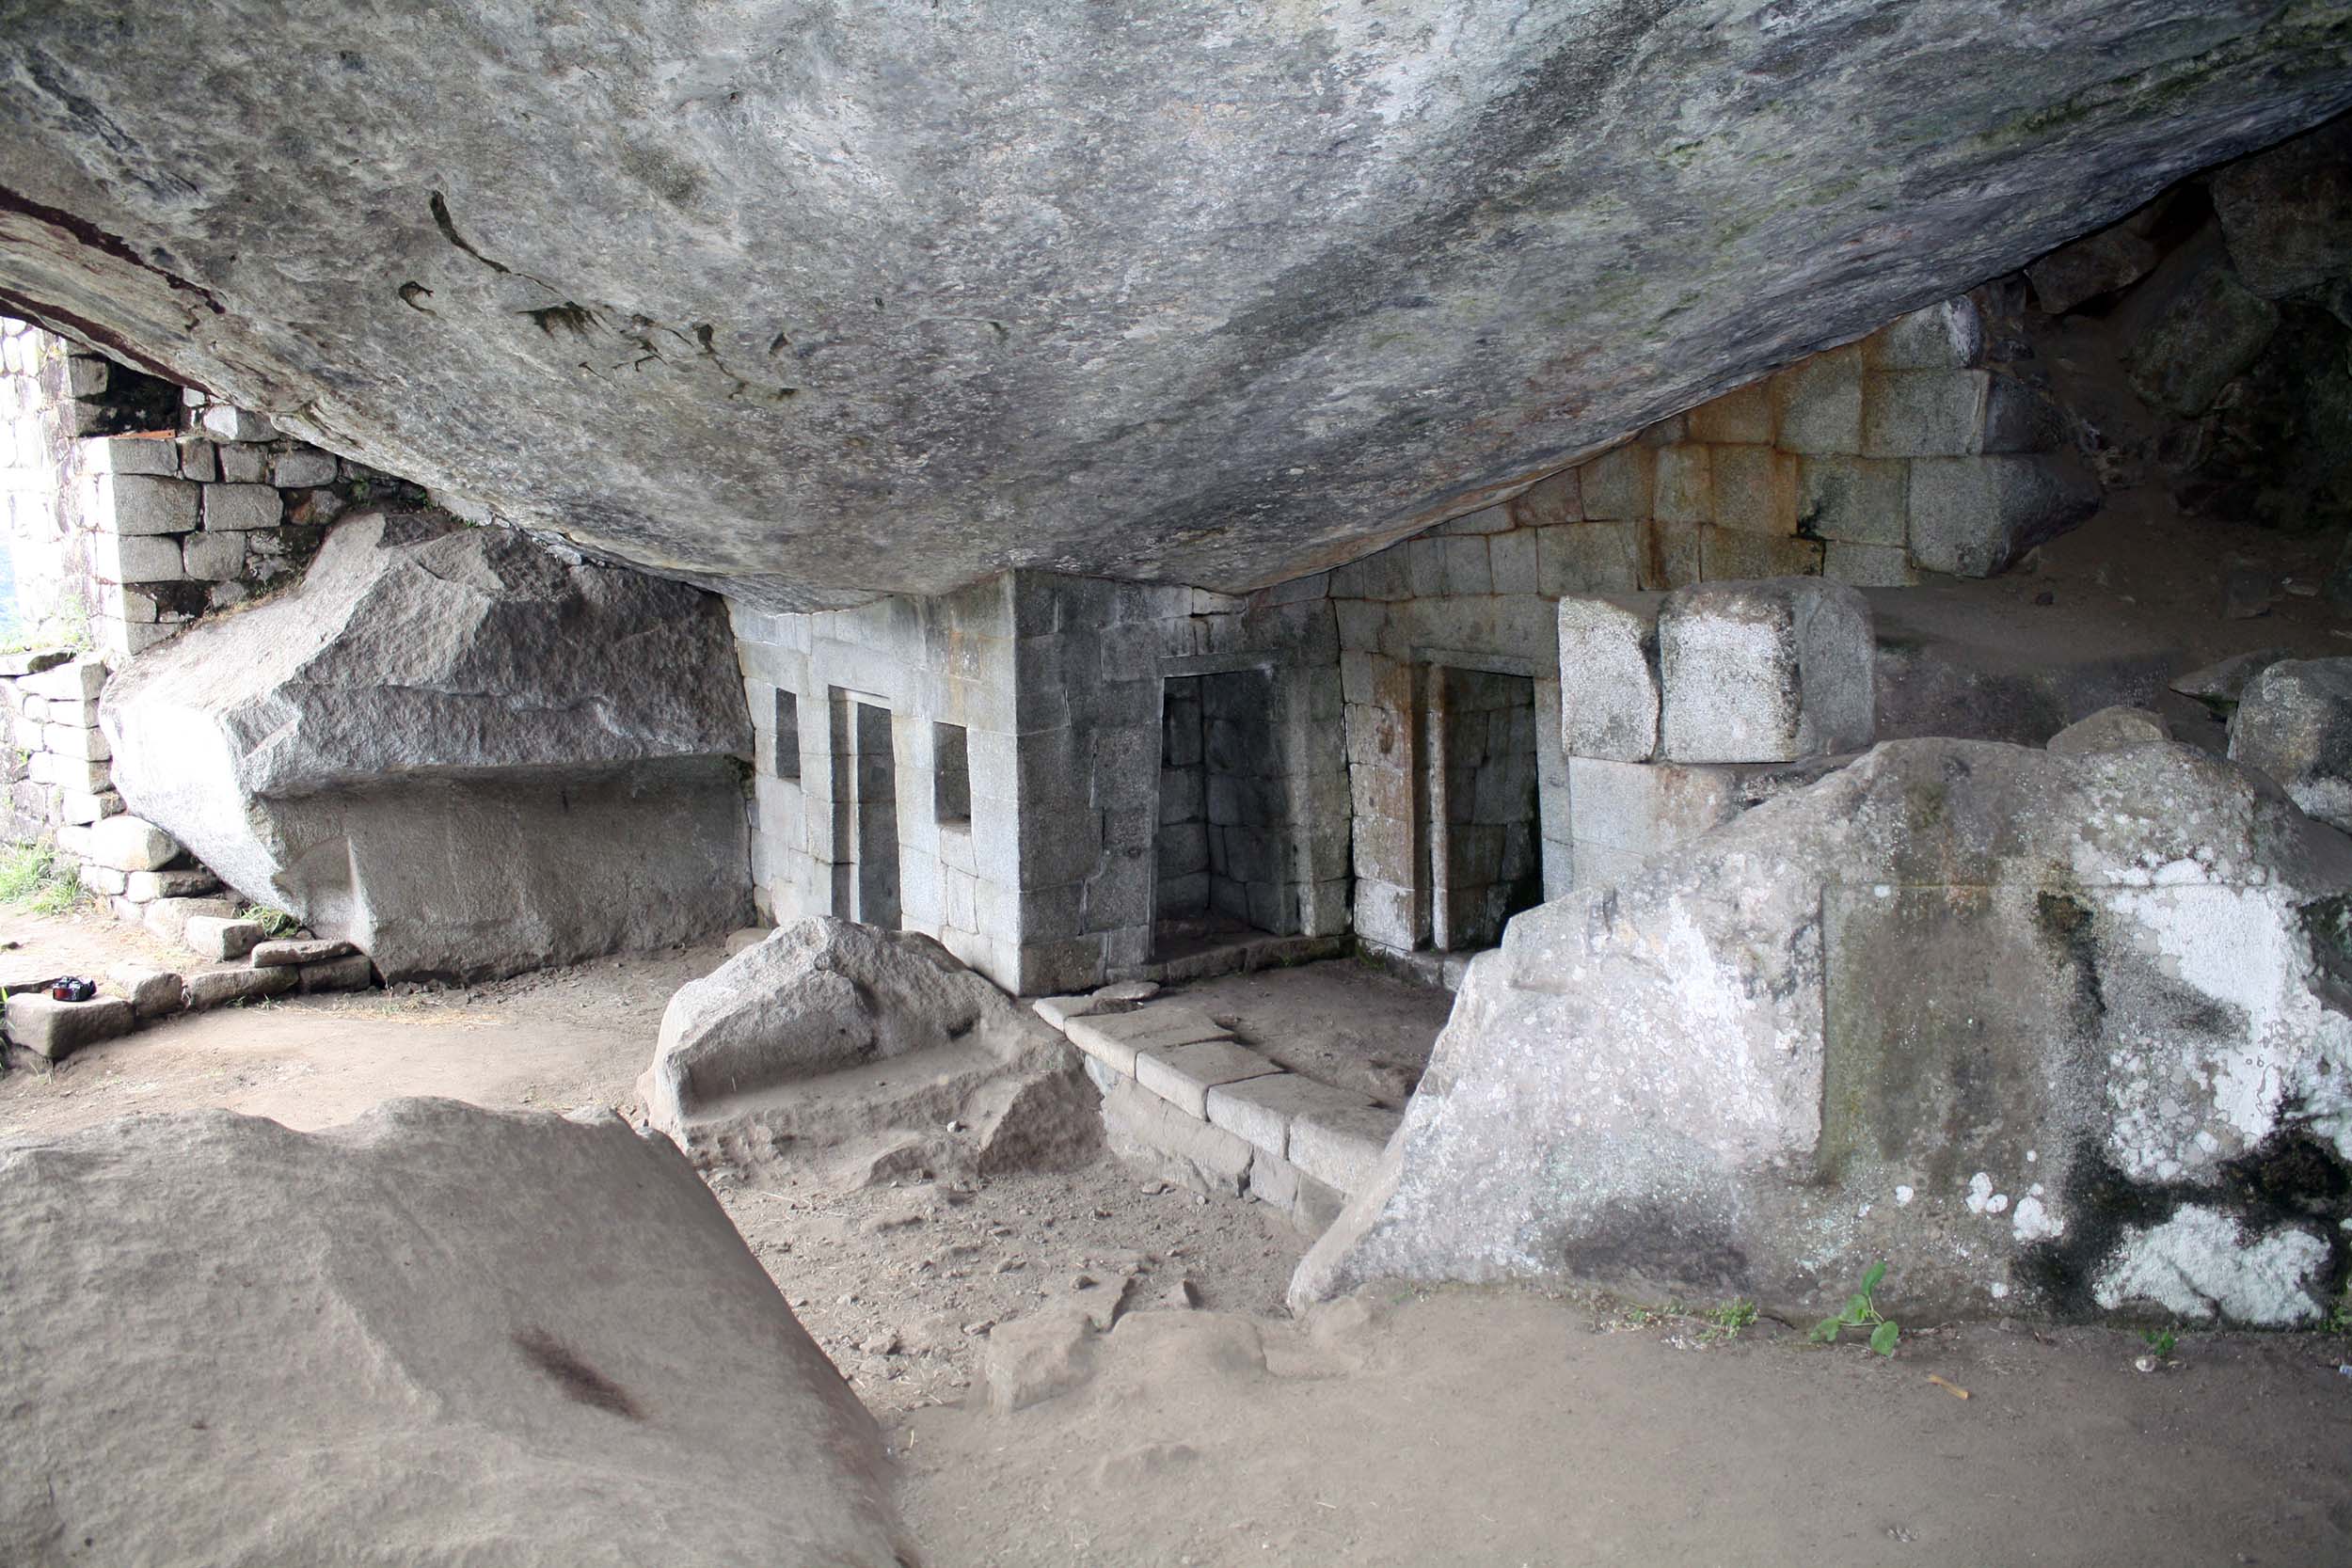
(813, 301)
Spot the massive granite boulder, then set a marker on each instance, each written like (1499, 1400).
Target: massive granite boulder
(456, 749)
(821, 298)
(873, 1053)
(436, 1334)
(2051, 1034)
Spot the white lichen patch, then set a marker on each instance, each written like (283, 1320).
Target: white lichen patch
(1982, 1199)
(1903, 1198)
(2033, 1221)
(2201, 1263)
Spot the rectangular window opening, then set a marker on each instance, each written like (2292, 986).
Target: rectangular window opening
(952, 773)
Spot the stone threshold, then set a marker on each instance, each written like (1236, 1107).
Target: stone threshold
(1238, 957)
(1423, 966)
(1181, 1094)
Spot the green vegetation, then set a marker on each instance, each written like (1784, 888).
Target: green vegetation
(2340, 1315)
(273, 922)
(33, 877)
(1861, 1311)
(2161, 1340)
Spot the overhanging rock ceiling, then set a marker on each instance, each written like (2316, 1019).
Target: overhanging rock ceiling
(810, 300)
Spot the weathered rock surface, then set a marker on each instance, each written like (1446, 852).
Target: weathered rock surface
(887, 296)
(2111, 728)
(830, 1039)
(437, 1334)
(2120, 1088)
(2294, 723)
(452, 749)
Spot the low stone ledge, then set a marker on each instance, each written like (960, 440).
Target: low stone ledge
(1184, 1074)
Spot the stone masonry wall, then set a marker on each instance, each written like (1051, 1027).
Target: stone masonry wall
(932, 663)
(131, 514)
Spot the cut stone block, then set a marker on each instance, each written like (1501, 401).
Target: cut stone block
(2294, 723)
(1756, 490)
(198, 461)
(1924, 412)
(212, 936)
(1816, 403)
(1765, 672)
(137, 558)
(1859, 500)
(1685, 485)
(189, 884)
(1609, 675)
(1114, 1038)
(1971, 516)
(75, 743)
(242, 508)
(1262, 1110)
(302, 468)
(152, 992)
(238, 424)
(131, 454)
(1868, 565)
(212, 557)
(83, 807)
(216, 988)
(271, 955)
(132, 844)
(1184, 1074)
(104, 881)
(1742, 416)
(1948, 336)
(76, 680)
(1618, 485)
(1142, 1127)
(146, 504)
(1341, 1147)
(353, 972)
(1730, 554)
(168, 918)
(55, 1030)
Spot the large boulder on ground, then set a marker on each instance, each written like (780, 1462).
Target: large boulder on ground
(2294, 723)
(436, 1334)
(455, 749)
(820, 298)
(875, 1050)
(2051, 1034)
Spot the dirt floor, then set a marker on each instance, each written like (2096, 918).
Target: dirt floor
(1476, 1427)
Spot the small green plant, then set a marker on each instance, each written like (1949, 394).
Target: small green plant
(1732, 1316)
(273, 922)
(33, 877)
(2161, 1340)
(2340, 1315)
(1862, 1312)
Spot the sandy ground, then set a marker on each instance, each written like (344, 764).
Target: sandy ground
(1503, 1427)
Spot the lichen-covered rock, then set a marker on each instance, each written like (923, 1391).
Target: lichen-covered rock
(2294, 723)
(882, 296)
(2119, 1082)
(439, 1334)
(829, 1036)
(455, 750)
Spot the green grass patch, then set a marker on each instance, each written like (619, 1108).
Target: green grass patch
(32, 876)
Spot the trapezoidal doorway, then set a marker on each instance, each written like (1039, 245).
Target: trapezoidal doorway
(1224, 843)
(1485, 842)
(866, 811)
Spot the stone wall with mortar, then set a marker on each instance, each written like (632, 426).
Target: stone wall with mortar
(135, 507)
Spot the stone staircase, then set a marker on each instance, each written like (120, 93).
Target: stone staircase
(1181, 1094)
